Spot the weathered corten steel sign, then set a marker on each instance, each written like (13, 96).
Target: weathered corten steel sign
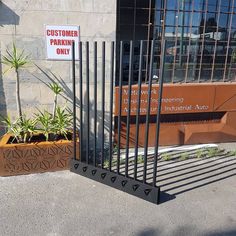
(176, 99)
(203, 113)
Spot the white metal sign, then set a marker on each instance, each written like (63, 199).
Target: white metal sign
(59, 42)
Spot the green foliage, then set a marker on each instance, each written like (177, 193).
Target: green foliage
(140, 159)
(62, 122)
(184, 156)
(212, 152)
(12, 127)
(232, 153)
(106, 164)
(22, 128)
(51, 125)
(115, 149)
(28, 128)
(45, 123)
(166, 156)
(55, 87)
(15, 59)
(200, 153)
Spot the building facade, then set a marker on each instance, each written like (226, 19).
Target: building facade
(200, 39)
(200, 36)
(23, 22)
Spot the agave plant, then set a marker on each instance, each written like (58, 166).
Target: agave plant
(45, 123)
(55, 87)
(28, 128)
(12, 127)
(16, 59)
(22, 128)
(62, 122)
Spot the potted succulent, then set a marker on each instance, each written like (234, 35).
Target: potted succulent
(40, 143)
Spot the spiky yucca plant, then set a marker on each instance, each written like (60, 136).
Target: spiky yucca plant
(15, 60)
(56, 90)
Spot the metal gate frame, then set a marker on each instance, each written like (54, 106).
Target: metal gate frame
(89, 166)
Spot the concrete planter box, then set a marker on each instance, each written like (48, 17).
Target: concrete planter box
(28, 158)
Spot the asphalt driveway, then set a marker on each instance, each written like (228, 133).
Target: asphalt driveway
(200, 200)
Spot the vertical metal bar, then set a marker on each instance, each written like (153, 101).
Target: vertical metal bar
(182, 33)
(103, 103)
(161, 82)
(148, 39)
(88, 105)
(74, 99)
(231, 61)
(129, 107)
(203, 40)
(138, 109)
(228, 42)
(111, 104)
(120, 106)
(163, 27)
(95, 106)
(189, 43)
(176, 41)
(148, 113)
(215, 45)
(81, 100)
(134, 23)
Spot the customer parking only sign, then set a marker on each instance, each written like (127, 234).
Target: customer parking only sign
(59, 42)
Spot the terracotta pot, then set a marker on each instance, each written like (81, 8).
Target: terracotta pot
(28, 158)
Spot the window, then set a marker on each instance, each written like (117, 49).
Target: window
(200, 37)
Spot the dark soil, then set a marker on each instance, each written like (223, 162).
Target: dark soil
(41, 138)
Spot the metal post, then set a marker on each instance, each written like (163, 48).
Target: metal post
(103, 102)
(129, 107)
(148, 113)
(216, 40)
(138, 109)
(189, 42)
(95, 106)
(203, 39)
(74, 98)
(81, 100)
(111, 104)
(88, 104)
(120, 106)
(182, 32)
(159, 114)
(228, 41)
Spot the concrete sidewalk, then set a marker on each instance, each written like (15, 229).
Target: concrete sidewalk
(203, 202)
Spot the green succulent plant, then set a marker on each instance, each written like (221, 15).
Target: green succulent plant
(16, 59)
(184, 156)
(212, 152)
(166, 156)
(12, 127)
(140, 159)
(200, 153)
(56, 88)
(62, 123)
(22, 128)
(45, 123)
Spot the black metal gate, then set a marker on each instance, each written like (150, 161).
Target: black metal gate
(99, 156)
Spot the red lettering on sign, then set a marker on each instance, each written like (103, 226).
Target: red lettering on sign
(63, 51)
(63, 33)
